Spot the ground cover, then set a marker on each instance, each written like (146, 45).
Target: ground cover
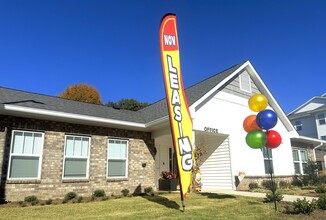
(163, 206)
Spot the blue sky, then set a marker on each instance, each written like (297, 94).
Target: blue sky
(46, 46)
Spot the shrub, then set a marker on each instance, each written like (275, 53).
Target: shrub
(99, 193)
(311, 173)
(296, 181)
(284, 184)
(69, 196)
(253, 186)
(48, 202)
(278, 197)
(304, 206)
(321, 189)
(79, 199)
(321, 202)
(268, 184)
(148, 190)
(31, 199)
(125, 192)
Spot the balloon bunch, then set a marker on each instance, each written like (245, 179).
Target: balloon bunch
(258, 126)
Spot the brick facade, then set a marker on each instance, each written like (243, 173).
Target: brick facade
(141, 164)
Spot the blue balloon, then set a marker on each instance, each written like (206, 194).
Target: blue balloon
(266, 119)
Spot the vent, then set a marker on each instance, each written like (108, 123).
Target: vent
(245, 81)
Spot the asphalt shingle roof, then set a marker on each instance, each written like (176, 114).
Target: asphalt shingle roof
(155, 111)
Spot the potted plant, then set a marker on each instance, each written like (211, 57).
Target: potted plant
(168, 181)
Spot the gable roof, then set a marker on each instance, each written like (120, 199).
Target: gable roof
(296, 114)
(20, 103)
(159, 109)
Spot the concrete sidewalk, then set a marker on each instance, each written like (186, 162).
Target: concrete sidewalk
(287, 198)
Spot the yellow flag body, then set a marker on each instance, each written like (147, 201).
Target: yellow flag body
(180, 119)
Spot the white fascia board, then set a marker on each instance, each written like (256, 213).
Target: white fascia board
(303, 105)
(271, 101)
(208, 94)
(71, 116)
(157, 121)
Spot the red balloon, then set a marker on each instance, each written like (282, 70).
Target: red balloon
(250, 123)
(274, 139)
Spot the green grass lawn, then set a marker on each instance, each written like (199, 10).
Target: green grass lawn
(164, 206)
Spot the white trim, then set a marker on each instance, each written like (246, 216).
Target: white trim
(40, 156)
(300, 159)
(209, 93)
(71, 116)
(126, 158)
(87, 158)
(306, 103)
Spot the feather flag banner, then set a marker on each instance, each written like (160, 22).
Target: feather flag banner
(180, 118)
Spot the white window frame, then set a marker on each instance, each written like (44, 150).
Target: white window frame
(76, 157)
(322, 119)
(108, 158)
(300, 162)
(298, 125)
(246, 74)
(323, 137)
(39, 156)
(268, 158)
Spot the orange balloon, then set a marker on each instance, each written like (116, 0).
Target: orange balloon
(250, 124)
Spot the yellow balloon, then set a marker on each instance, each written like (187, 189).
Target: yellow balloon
(257, 102)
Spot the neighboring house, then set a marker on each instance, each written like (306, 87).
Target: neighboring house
(309, 120)
(50, 146)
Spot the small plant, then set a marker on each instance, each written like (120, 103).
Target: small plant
(69, 196)
(284, 184)
(125, 192)
(23, 203)
(148, 190)
(253, 186)
(321, 189)
(321, 202)
(99, 193)
(277, 197)
(48, 202)
(296, 181)
(167, 175)
(304, 206)
(268, 184)
(31, 199)
(79, 199)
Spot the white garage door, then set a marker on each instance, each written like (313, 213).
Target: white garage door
(216, 170)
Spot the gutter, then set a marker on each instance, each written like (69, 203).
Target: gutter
(57, 114)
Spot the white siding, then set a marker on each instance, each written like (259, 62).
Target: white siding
(216, 170)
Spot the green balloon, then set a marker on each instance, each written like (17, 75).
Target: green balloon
(256, 139)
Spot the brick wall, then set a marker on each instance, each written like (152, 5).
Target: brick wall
(141, 164)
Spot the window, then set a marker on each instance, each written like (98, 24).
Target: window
(76, 157)
(298, 125)
(25, 155)
(245, 81)
(268, 160)
(300, 159)
(323, 137)
(321, 119)
(117, 158)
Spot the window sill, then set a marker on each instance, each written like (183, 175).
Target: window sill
(23, 181)
(112, 179)
(75, 180)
